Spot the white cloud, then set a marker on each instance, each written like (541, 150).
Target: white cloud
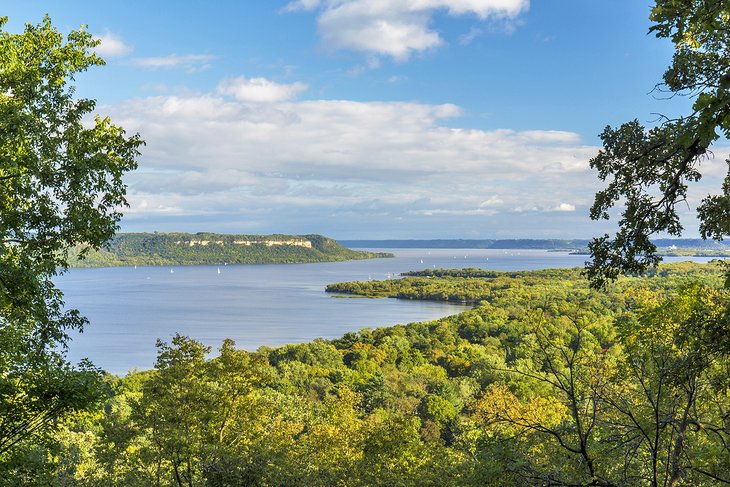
(190, 62)
(112, 45)
(565, 207)
(341, 138)
(550, 136)
(397, 28)
(237, 160)
(541, 208)
(259, 89)
(491, 201)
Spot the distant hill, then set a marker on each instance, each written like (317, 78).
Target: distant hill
(468, 244)
(556, 244)
(127, 249)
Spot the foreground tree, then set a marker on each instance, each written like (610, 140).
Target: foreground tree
(649, 169)
(649, 408)
(671, 393)
(60, 186)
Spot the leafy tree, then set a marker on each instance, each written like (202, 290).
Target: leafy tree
(671, 392)
(60, 185)
(649, 169)
(648, 409)
(571, 366)
(178, 406)
(239, 412)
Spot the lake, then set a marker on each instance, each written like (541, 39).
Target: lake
(257, 305)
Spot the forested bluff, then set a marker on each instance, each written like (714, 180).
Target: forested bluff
(129, 249)
(543, 382)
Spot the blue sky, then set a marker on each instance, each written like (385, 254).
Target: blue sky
(369, 118)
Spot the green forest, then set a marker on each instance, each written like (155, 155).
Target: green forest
(129, 249)
(543, 382)
(475, 285)
(617, 374)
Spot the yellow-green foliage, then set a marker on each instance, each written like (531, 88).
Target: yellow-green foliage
(543, 381)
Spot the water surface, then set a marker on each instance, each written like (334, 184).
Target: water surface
(256, 305)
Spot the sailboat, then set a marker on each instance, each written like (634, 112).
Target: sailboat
(171, 271)
(219, 270)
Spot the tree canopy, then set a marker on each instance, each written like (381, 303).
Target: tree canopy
(544, 382)
(648, 169)
(60, 185)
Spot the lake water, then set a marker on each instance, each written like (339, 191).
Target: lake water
(256, 305)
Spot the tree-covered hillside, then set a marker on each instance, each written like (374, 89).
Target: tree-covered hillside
(550, 380)
(212, 248)
(544, 382)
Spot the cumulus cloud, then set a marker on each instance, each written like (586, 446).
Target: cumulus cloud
(396, 28)
(259, 89)
(341, 139)
(189, 62)
(565, 207)
(246, 164)
(111, 45)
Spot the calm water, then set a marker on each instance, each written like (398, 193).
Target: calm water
(255, 305)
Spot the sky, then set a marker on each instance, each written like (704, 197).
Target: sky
(370, 119)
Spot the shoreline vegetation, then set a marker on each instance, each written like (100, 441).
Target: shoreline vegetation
(474, 286)
(162, 249)
(476, 398)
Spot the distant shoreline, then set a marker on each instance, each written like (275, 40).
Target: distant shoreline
(666, 246)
